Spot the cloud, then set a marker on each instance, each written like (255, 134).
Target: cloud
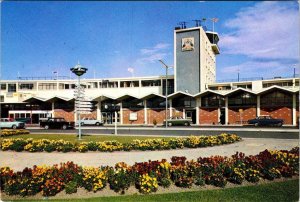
(267, 36)
(130, 69)
(157, 48)
(250, 67)
(152, 54)
(254, 68)
(268, 30)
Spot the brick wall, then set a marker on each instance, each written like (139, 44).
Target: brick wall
(92, 115)
(284, 113)
(234, 116)
(208, 115)
(67, 115)
(158, 114)
(140, 116)
(177, 112)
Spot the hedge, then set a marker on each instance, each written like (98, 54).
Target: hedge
(147, 177)
(20, 144)
(11, 132)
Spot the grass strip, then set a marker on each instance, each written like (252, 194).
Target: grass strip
(275, 191)
(85, 138)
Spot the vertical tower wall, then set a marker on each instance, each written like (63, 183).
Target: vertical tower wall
(194, 67)
(187, 63)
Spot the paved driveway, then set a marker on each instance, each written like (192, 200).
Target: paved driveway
(250, 146)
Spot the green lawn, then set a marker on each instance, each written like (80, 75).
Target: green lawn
(74, 138)
(277, 191)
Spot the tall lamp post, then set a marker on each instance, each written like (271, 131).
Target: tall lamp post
(79, 71)
(166, 66)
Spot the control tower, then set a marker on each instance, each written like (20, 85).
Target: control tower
(195, 51)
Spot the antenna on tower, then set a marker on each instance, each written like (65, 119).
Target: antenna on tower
(204, 23)
(183, 24)
(198, 23)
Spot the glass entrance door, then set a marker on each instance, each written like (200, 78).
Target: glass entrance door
(191, 114)
(106, 116)
(113, 117)
(109, 117)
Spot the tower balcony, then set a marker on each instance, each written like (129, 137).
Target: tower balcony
(215, 48)
(214, 39)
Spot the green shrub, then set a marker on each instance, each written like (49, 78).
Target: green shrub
(110, 146)
(92, 146)
(164, 182)
(218, 180)
(49, 148)
(119, 181)
(71, 187)
(18, 145)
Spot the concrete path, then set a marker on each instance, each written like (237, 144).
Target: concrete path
(250, 146)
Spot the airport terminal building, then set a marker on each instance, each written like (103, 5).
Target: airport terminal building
(192, 92)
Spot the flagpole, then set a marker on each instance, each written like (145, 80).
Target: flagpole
(213, 21)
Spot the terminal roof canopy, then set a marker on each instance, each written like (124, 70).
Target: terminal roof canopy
(239, 90)
(126, 96)
(55, 98)
(207, 92)
(152, 95)
(35, 100)
(103, 97)
(274, 88)
(178, 94)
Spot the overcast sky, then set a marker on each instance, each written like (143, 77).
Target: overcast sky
(260, 39)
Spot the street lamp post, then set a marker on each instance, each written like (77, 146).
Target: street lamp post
(166, 66)
(79, 71)
(294, 70)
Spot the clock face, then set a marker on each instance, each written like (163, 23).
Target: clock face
(187, 44)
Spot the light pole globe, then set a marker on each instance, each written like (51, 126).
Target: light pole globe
(79, 70)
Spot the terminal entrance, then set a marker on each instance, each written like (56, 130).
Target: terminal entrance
(222, 116)
(191, 114)
(109, 117)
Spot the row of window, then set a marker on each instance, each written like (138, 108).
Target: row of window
(125, 84)
(103, 84)
(283, 84)
(244, 99)
(247, 99)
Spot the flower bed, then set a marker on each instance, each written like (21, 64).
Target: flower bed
(11, 132)
(147, 177)
(31, 145)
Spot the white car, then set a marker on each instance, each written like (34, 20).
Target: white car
(90, 121)
(8, 123)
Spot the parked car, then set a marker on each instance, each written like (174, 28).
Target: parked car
(90, 121)
(56, 123)
(265, 121)
(24, 120)
(9, 123)
(178, 121)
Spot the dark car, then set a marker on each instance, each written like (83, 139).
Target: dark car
(178, 121)
(24, 120)
(56, 123)
(265, 121)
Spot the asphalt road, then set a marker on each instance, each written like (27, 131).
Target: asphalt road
(249, 132)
